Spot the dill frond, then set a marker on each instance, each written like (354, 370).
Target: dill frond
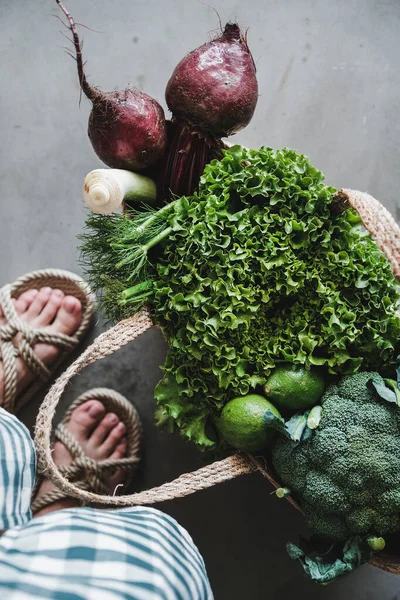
(114, 254)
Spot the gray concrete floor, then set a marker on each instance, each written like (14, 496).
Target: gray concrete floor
(329, 87)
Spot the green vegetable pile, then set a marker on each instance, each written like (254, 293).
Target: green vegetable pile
(346, 473)
(260, 266)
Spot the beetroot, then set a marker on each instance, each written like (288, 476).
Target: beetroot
(212, 93)
(214, 87)
(127, 128)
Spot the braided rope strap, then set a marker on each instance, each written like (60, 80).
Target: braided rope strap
(17, 339)
(104, 345)
(85, 472)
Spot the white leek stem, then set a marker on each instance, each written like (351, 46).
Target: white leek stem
(104, 190)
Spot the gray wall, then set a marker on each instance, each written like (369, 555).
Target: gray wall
(329, 87)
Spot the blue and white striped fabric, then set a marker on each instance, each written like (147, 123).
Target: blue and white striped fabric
(84, 553)
(17, 471)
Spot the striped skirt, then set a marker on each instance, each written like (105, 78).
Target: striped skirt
(84, 553)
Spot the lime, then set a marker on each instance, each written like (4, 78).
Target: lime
(292, 387)
(242, 423)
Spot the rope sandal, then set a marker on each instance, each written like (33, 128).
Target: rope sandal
(71, 285)
(87, 473)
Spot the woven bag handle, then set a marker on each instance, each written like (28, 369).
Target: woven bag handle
(379, 222)
(386, 233)
(104, 345)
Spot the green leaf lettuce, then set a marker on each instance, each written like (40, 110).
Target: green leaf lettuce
(260, 269)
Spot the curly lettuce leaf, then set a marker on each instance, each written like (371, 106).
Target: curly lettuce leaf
(259, 269)
(190, 419)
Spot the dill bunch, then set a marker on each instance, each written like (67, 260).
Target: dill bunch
(114, 252)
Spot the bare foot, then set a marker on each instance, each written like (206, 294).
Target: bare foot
(101, 435)
(48, 309)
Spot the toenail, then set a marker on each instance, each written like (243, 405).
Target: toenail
(110, 418)
(69, 303)
(58, 293)
(46, 290)
(120, 427)
(95, 410)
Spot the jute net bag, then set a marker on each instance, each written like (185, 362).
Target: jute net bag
(377, 220)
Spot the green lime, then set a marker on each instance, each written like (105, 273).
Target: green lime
(292, 387)
(242, 423)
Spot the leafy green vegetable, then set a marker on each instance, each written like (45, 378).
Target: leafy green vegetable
(259, 271)
(173, 405)
(355, 553)
(392, 385)
(386, 391)
(295, 429)
(256, 269)
(398, 374)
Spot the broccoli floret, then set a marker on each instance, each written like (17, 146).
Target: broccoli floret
(346, 476)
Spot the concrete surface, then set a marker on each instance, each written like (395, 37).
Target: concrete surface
(329, 86)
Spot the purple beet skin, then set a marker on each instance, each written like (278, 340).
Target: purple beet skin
(214, 87)
(127, 128)
(212, 93)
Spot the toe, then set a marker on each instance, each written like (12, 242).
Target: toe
(68, 316)
(23, 302)
(85, 418)
(120, 450)
(60, 454)
(112, 440)
(38, 303)
(103, 429)
(50, 309)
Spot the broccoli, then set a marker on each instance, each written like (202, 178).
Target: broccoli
(346, 475)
